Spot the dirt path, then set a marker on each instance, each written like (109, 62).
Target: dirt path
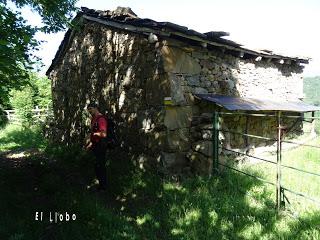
(15, 158)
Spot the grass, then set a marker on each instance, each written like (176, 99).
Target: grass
(137, 205)
(15, 137)
(304, 158)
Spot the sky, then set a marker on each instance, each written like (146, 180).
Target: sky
(288, 27)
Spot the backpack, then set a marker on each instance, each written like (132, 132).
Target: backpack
(111, 139)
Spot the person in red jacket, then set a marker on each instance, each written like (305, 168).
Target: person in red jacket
(97, 143)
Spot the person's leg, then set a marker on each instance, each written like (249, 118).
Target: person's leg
(100, 165)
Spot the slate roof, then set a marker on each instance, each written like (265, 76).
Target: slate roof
(126, 19)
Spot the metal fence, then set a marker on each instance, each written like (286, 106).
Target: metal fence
(280, 188)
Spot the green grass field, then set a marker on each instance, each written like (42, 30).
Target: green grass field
(304, 158)
(137, 205)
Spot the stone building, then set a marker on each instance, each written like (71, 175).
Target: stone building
(146, 74)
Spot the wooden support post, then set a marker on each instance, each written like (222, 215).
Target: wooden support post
(37, 111)
(8, 114)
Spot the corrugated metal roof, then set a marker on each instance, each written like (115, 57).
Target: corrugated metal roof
(252, 104)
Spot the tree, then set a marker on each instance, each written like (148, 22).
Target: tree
(35, 93)
(17, 39)
(41, 91)
(23, 104)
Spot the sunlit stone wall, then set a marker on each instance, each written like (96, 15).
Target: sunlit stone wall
(130, 77)
(194, 69)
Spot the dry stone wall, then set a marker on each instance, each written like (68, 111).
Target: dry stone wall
(198, 70)
(130, 77)
(120, 71)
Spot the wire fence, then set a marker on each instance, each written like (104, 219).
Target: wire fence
(277, 174)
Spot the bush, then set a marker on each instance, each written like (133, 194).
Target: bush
(36, 93)
(41, 91)
(22, 102)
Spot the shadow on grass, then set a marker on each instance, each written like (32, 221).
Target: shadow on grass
(138, 205)
(56, 183)
(229, 206)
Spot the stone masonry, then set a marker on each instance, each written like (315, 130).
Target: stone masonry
(130, 76)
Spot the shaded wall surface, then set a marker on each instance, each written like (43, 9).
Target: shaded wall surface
(116, 69)
(130, 77)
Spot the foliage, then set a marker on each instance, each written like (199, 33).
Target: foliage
(17, 38)
(41, 91)
(36, 93)
(55, 14)
(3, 118)
(311, 86)
(22, 102)
(14, 137)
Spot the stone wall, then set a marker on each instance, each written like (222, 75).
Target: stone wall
(130, 76)
(119, 71)
(198, 70)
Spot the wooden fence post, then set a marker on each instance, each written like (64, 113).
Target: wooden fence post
(37, 112)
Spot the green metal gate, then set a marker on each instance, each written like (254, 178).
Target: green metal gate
(278, 184)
